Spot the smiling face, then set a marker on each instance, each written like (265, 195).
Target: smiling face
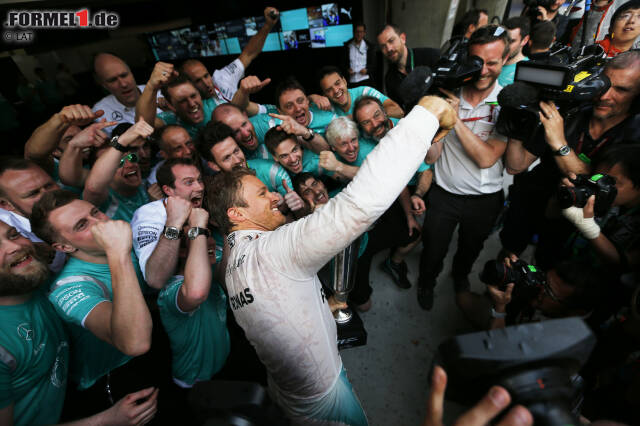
(200, 78)
(243, 131)
(227, 156)
(176, 143)
(373, 120)
(313, 191)
(334, 87)
(262, 211)
(289, 154)
(491, 54)
(22, 272)
(187, 102)
(187, 185)
(294, 103)
(627, 27)
(23, 188)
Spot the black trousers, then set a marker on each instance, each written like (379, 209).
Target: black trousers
(389, 232)
(476, 215)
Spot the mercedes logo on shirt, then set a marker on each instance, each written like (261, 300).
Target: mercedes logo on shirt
(116, 116)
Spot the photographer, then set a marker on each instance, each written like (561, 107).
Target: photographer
(572, 288)
(605, 240)
(548, 10)
(568, 146)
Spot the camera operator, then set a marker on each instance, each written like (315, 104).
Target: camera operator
(572, 288)
(548, 10)
(605, 240)
(568, 147)
(543, 35)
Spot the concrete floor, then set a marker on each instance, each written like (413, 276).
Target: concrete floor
(390, 373)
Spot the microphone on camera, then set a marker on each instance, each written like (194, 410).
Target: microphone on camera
(415, 85)
(520, 96)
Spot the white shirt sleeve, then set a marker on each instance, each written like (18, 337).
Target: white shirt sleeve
(147, 225)
(301, 248)
(228, 78)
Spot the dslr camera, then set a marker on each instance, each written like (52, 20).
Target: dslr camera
(520, 273)
(602, 186)
(571, 80)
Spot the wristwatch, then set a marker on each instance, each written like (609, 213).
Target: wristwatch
(563, 150)
(193, 233)
(115, 144)
(311, 135)
(172, 233)
(497, 315)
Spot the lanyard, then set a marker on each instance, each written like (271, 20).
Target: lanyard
(594, 150)
(471, 119)
(411, 57)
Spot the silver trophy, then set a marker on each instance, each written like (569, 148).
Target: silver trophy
(344, 274)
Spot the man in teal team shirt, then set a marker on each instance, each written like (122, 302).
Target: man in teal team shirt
(115, 181)
(193, 308)
(288, 152)
(334, 87)
(35, 347)
(518, 28)
(293, 106)
(187, 107)
(244, 132)
(98, 293)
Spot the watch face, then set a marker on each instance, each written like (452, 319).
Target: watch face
(192, 233)
(171, 233)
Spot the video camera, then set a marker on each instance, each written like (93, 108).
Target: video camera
(537, 363)
(602, 186)
(571, 81)
(533, 6)
(455, 68)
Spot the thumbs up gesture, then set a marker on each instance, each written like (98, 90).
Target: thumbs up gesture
(293, 200)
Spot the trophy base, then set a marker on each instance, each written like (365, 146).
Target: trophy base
(343, 316)
(352, 333)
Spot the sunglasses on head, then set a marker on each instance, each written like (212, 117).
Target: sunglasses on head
(132, 157)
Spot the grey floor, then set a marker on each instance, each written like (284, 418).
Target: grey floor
(390, 373)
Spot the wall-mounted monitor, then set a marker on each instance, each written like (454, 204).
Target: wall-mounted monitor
(326, 25)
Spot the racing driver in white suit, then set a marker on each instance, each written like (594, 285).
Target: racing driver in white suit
(271, 279)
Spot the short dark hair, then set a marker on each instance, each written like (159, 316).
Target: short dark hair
(490, 34)
(49, 202)
(394, 27)
(159, 133)
(289, 83)
(177, 81)
(165, 176)
(362, 101)
(13, 163)
(224, 192)
(327, 70)
(542, 35)
(359, 24)
(214, 132)
(519, 22)
(470, 17)
(631, 4)
(299, 179)
(627, 156)
(274, 137)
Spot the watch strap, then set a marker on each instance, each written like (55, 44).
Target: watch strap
(498, 315)
(115, 144)
(563, 150)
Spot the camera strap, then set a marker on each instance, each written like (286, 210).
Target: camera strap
(587, 157)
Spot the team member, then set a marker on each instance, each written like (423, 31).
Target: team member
(360, 57)
(35, 362)
(115, 76)
(244, 132)
(98, 294)
(287, 152)
(157, 226)
(518, 30)
(296, 116)
(334, 86)
(173, 142)
(22, 184)
(115, 180)
(286, 316)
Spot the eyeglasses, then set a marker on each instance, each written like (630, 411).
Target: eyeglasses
(628, 15)
(132, 157)
(546, 287)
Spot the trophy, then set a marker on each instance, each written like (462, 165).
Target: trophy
(344, 273)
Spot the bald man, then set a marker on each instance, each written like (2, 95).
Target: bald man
(115, 76)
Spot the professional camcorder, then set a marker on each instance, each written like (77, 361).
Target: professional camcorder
(537, 363)
(571, 81)
(522, 274)
(455, 68)
(602, 186)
